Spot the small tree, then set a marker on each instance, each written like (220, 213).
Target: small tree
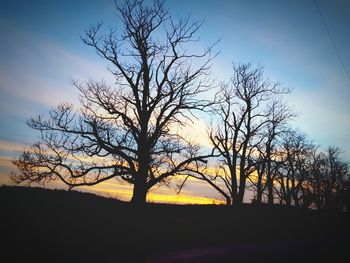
(127, 130)
(328, 181)
(292, 170)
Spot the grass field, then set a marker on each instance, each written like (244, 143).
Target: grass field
(39, 225)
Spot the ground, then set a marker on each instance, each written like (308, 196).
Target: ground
(41, 225)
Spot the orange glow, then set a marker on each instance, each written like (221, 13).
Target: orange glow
(124, 192)
(182, 199)
(115, 189)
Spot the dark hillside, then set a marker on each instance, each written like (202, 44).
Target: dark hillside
(59, 226)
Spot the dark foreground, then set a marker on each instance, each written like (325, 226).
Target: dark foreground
(40, 225)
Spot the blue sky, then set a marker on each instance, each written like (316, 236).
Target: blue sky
(41, 50)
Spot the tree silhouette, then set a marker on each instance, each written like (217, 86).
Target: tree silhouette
(241, 112)
(277, 119)
(127, 130)
(309, 177)
(328, 181)
(292, 168)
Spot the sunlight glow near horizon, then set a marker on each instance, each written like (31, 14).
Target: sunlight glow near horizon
(194, 192)
(121, 191)
(42, 51)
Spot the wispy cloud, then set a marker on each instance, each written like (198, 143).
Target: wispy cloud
(9, 146)
(6, 164)
(41, 69)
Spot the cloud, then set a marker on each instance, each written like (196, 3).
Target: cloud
(40, 71)
(6, 167)
(9, 146)
(6, 164)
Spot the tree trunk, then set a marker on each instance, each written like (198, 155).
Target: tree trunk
(139, 195)
(296, 199)
(234, 197)
(228, 201)
(241, 192)
(242, 173)
(288, 200)
(234, 190)
(261, 170)
(270, 190)
(269, 178)
(259, 197)
(259, 190)
(140, 184)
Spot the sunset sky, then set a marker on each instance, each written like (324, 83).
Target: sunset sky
(40, 51)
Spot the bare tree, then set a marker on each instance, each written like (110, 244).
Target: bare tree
(292, 170)
(241, 113)
(329, 180)
(314, 186)
(127, 130)
(279, 114)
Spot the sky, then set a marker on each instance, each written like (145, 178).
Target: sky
(41, 51)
